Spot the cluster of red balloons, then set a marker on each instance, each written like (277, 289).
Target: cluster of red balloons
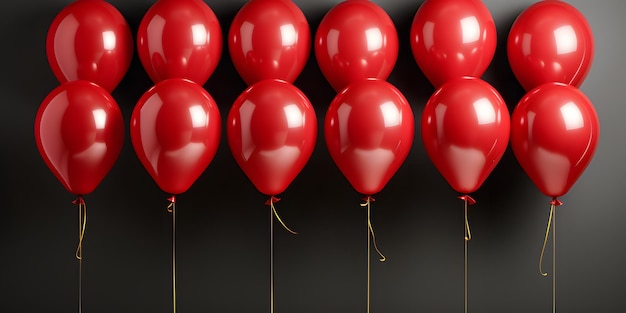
(272, 127)
(465, 124)
(79, 129)
(369, 125)
(555, 128)
(175, 127)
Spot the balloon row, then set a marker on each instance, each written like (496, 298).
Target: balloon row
(550, 41)
(271, 130)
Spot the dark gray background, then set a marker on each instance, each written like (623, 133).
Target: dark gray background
(222, 236)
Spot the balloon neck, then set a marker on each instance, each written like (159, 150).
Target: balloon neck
(172, 199)
(79, 200)
(272, 200)
(368, 198)
(468, 199)
(556, 202)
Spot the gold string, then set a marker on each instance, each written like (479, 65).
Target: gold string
(171, 208)
(275, 213)
(468, 233)
(82, 224)
(371, 238)
(272, 214)
(468, 237)
(553, 207)
(551, 222)
(545, 241)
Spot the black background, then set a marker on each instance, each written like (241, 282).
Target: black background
(223, 247)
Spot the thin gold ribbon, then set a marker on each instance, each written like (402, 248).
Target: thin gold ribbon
(468, 236)
(371, 238)
(551, 226)
(171, 208)
(82, 224)
(274, 214)
(271, 201)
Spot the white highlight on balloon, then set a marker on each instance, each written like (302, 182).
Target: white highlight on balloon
(566, 41)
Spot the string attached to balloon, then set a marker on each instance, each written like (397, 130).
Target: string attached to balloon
(551, 226)
(371, 240)
(271, 202)
(274, 214)
(171, 208)
(82, 224)
(468, 236)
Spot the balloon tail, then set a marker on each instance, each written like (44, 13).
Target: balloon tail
(371, 240)
(171, 208)
(468, 236)
(275, 214)
(545, 242)
(551, 228)
(272, 214)
(82, 224)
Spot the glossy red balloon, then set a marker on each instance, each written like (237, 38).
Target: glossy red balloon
(272, 130)
(179, 39)
(369, 131)
(175, 130)
(79, 131)
(90, 40)
(269, 39)
(453, 38)
(355, 40)
(550, 41)
(465, 130)
(554, 135)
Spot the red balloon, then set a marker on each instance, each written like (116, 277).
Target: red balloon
(179, 39)
(269, 39)
(550, 41)
(453, 38)
(554, 134)
(272, 130)
(356, 40)
(465, 130)
(90, 40)
(79, 132)
(369, 129)
(175, 130)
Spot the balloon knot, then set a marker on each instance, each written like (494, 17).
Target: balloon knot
(172, 199)
(271, 200)
(467, 198)
(368, 198)
(556, 202)
(79, 201)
